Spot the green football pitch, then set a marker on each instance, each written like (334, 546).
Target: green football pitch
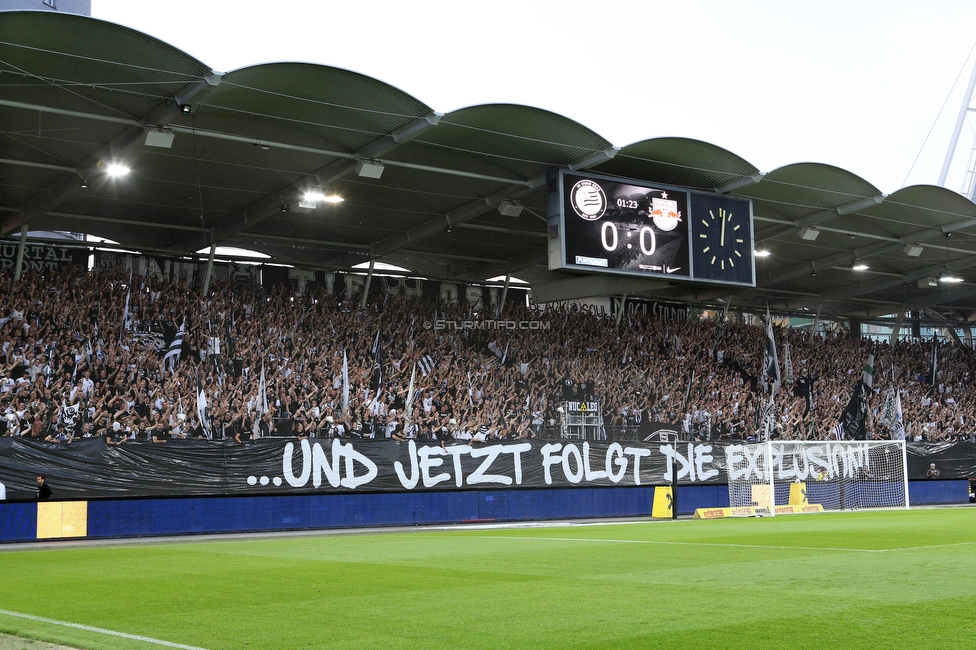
(891, 579)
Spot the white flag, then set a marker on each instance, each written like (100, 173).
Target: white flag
(413, 376)
(345, 383)
(788, 363)
(125, 310)
(262, 392)
(202, 410)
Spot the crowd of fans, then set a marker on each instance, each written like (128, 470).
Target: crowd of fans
(83, 355)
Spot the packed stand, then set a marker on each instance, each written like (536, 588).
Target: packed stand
(85, 354)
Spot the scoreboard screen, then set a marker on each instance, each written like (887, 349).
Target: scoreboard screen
(613, 225)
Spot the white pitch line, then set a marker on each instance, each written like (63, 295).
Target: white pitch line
(725, 545)
(99, 630)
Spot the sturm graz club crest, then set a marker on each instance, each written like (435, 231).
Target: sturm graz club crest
(589, 200)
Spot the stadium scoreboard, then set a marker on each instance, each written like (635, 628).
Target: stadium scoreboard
(601, 224)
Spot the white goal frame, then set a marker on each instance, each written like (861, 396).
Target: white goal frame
(834, 474)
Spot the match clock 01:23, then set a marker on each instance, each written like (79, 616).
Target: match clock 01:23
(722, 239)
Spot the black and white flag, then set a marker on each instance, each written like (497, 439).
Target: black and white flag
(172, 356)
(770, 379)
(853, 419)
(426, 365)
(202, 409)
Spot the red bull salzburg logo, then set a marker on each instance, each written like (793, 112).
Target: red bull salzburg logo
(665, 213)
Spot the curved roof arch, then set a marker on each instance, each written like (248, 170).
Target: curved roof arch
(678, 161)
(331, 107)
(932, 205)
(522, 139)
(797, 190)
(112, 70)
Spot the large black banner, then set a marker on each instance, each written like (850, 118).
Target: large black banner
(42, 257)
(92, 469)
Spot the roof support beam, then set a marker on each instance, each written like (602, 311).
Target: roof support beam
(400, 136)
(273, 203)
(37, 165)
(739, 183)
(888, 282)
(805, 268)
(323, 245)
(940, 298)
(524, 260)
(470, 210)
(165, 112)
(824, 216)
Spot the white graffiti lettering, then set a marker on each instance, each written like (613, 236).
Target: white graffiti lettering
(315, 463)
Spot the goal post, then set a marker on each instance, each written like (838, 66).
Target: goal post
(834, 475)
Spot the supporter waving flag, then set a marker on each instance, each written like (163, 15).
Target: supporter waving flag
(172, 356)
(409, 406)
(770, 376)
(202, 408)
(788, 364)
(854, 417)
(891, 414)
(126, 324)
(262, 392)
(345, 384)
(767, 417)
(426, 364)
(376, 381)
(867, 374)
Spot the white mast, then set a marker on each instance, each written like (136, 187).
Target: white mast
(967, 100)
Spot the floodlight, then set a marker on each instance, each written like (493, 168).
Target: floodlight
(859, 265)
(116, 169)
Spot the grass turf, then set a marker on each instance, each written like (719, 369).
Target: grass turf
(892, 579)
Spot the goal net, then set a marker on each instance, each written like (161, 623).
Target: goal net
(836, 475)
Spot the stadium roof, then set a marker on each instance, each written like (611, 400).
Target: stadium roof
(77, 93)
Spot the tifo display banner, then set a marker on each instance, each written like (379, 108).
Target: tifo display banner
(42, 257)
(175, 268)
(350, 286)
(91, 469)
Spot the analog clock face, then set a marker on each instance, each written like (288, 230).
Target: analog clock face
(722, 240)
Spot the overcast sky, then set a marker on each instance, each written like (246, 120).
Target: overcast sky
(776, 82)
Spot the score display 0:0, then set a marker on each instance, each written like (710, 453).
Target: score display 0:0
(610, 239)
